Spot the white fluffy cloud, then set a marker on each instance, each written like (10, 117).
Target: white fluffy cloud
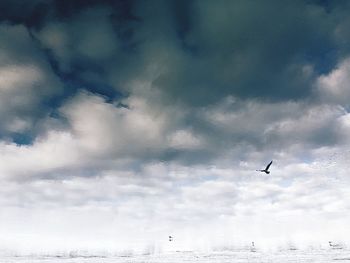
(88, 169)
(334, 87)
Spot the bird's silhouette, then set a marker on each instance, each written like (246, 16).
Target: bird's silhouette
(252, 247)
(266, 170)
(335, 246)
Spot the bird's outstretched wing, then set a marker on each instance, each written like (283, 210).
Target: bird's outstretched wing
(268, 166)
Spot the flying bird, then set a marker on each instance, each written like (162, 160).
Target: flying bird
(335, 246)
(266, 170)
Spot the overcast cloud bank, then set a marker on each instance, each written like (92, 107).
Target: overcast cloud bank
(127, 121)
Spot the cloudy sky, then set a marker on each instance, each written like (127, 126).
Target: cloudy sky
(125, 121)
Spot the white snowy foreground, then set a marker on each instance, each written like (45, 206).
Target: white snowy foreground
(319, 256)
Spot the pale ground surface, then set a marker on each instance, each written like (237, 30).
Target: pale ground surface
(299, 256)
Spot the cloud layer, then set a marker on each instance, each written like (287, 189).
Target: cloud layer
(142, 119)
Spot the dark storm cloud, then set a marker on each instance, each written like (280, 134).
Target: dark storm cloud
(189, 53)
(249, 50)
(29, 13)
(206, 50)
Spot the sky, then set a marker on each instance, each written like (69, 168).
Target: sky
(123, 122)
